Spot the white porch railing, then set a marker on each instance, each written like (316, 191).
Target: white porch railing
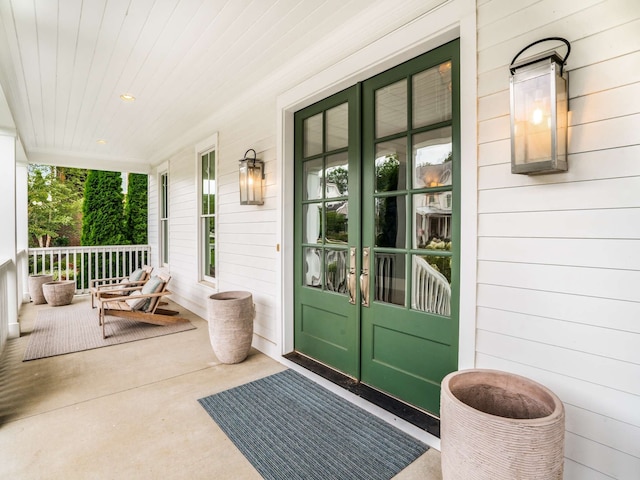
(84, 264)
(4, 302)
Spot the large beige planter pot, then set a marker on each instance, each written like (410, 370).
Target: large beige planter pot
(35, 287)
(59, 293)
(500, 426)
(231, 317)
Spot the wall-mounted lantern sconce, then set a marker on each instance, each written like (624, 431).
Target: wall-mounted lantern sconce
(539, 112)
(251, 176)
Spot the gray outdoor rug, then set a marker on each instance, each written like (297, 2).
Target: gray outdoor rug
(289, 427)
(73, 328)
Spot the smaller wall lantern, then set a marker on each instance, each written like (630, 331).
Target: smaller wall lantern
(251, 176)
(539, 112)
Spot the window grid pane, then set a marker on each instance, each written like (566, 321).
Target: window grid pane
(208, 176)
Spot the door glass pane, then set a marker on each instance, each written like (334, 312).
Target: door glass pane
(432, 158)
(389, 281)
(432, 95)
(311, 223)
(432, 213)
(431, 284)
(391, 109)
(338, 127)
(312, 180)
(391, 165)
(391, 221)
(336, 270)
(337, 176)
(312, 267)
(336, 224)
(313, 135)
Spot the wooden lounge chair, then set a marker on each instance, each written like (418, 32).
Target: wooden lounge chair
(139, 304)
(114, 285)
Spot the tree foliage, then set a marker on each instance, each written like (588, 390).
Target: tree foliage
(340, 177)
(55, 200)
(135, 209)
(103, 209)
(386, 207)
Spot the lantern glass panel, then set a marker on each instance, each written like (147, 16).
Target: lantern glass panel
(251, 182)
(534, 124)
(539, 105)
(562, 119)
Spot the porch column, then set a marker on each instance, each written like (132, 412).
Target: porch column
(22, 227)
(8, 236)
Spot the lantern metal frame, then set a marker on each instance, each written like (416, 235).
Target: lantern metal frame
(251, 176)
(539, 146)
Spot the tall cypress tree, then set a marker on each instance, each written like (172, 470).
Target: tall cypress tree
(103, 214)
(135, 209)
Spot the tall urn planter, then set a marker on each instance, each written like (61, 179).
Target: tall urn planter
(500, 426)
(230, 316)
(35, 287)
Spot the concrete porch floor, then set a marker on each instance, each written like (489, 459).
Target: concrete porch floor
(128, 411)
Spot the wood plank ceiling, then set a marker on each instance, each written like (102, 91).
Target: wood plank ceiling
(65, 63)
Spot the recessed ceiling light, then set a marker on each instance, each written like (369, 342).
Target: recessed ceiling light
(125, 97)
(102, 141)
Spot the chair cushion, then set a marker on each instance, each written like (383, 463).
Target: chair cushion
(135, 301)
(154, 284)
(136, 275)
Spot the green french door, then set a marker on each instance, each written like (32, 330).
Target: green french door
(327, 201)
(377, 228)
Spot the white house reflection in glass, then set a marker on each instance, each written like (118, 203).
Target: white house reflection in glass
(432, 213)
(432, 155)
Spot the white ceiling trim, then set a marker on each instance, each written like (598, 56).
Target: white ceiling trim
(90, 161)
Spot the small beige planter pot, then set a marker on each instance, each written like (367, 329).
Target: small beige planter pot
(35, 287)
(500, 426)
(59, 293)
(231, 317)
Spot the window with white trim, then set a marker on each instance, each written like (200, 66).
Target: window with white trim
(164, 218)
(208, 214)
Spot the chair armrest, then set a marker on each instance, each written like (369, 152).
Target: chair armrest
(126, 297)
(95, 281)
(119, 286)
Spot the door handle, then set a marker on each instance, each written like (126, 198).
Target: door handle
(351, 278)
(364, 277)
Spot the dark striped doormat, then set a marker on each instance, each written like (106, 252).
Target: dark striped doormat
(289, 427)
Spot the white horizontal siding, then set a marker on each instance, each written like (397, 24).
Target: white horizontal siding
(602, 341)
(621, 162)
(245, 236)
(578, 252)
(597, 194)
(578, 309)
(559, 255)
(620, 223)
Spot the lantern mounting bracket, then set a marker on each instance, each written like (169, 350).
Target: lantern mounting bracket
(247, 158)
(533, 60)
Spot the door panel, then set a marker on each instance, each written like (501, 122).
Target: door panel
(409, 334)
(327, 198)
(377, 228)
